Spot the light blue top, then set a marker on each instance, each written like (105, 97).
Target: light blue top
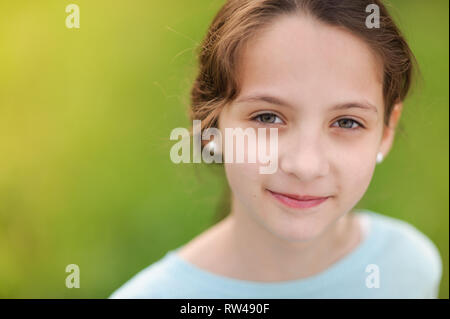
(394, 260)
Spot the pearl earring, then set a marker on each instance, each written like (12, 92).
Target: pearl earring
(212, 148)
(379, 157)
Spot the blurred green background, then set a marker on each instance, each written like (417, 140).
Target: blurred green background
(85, 119)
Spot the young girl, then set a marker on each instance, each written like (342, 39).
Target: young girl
(331, 76)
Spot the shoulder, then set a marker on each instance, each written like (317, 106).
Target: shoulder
(406, 250)
(154, 281)
(401, 235)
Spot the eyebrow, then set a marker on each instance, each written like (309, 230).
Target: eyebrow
(364, 105)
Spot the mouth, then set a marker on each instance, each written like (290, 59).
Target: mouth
(298, 201)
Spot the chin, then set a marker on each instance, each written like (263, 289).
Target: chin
(292, 225)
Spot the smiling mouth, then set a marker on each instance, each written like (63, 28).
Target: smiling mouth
(296, 201)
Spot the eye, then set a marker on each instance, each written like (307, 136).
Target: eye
(268, 118)
(347, 123)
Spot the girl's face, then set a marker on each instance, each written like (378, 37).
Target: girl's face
(324, 94)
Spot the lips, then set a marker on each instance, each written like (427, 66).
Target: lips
(299, 201)
(305, 197)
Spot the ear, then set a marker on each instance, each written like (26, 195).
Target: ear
(389, 132)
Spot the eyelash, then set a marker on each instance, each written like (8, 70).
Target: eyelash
(360, 126)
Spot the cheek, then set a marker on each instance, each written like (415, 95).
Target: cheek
(244, 181)
(355, 172)
(242, 175)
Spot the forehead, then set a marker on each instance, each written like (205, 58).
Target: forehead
(306, 60)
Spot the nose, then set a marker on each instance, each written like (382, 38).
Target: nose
(304, 156)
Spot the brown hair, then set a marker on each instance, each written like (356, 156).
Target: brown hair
(216, 83)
